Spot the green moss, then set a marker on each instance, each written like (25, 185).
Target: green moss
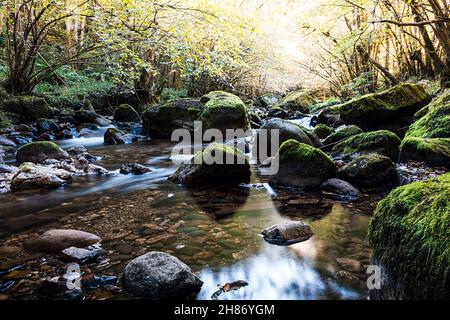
(216, 149)
(323, 131)
(292, 150)
(434, 152)
(342, 134)
(436, 122)
(382, 142)
(43, 146)
(410, 235)
(326, 104)
(29, 108)
(39, 151)
(297, 101)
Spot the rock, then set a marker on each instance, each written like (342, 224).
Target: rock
(382, 142)
(204, 170)
(85, 116)
(224, 111)
(115, 136)
(348, 278)
(323, 131)
(8, 169)
(435, 122)
(29, 108)
(409, 233)
(134, 168)
(47, 125)
(330, 117)
(342, 134)
(102, 122)
(6, 142)
(37, 152)
(84, 255)
(56, 240)
(340, 187)
(91, 281)
(158, 275)
(126, 113)
(371, 170)
(350, 265)
(31, 176)
(297, 101)
(77, 150)
(288, 233)
(277, 113)
(434, 152)
(92, 169)
(394, 107)
(302, 166)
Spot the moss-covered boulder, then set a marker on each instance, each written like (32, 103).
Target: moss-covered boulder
(223, 111)
(370, 170)
(343, 134)
(434, 152)
(382, 142)
(435, 122)
(323, 131)
(29, 108)
(217, 164)
(161, 120)
(410, 235)
(114, 136)
(297, 101)
(392, 108)
(303, 166)
(37, 152)
(126, 113)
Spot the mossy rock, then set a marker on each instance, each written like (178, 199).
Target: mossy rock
(303, 166)
(343, 134)
(410, 235)
(161, 120)
(326, 104)
(47, 125)
(29, 108)
(126, 113)
(37, 152)
(323, 131)
(382, 142)
(434, 152)
(114, 136)
(370, 170)
(224, 111)
(217, 164)
(297, 101)
(85, 116)
(436, 122)
(392, 108)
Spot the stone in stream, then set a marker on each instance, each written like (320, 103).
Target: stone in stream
(30, 176)
(6, 142)
(302, 166)
(85, 116)
(277, 113)
(297, 101)
(8, 169)
(102, 121)
(211, 167)
(369, 170)
(134, 168)
(37, 152)
(288, 233)
(433, 152)
(340, 187)
(56, 240)
(126, 113)
(323, 131)
(115, 136)
(330, 118)
(157, 275)
(89, 254)
(47, 125)
(342, 134)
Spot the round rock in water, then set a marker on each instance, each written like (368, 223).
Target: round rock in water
(157, 275)
(288, 233)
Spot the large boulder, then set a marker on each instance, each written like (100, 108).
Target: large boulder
(85, 116)
(340, 188)
(323, 131)
(382, 142)
(297, 101)
(158, 275)
(224, 111)
(29, 108)
(342, 134)
(212, 166)
(160, 121)
(56, 240)
(32, 176)
(39, 151)
(434, 152)
(370, 170)
(288, 233)
(47, 125)
(126, 113)
(301, 165)
(392, 108)
(434, 121)
(410, 233)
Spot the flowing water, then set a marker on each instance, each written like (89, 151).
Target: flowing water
(213, 230)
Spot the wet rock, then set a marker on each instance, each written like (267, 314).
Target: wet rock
(84, 255)
(47, 125)
(37, 152)
(134, 168)
(370, 170)
(277, 113)
(77, 150)
(59, 239)
(93, 169)
(6, 142)
(85, 116)
(288, 233)
(205, 170)
(158, 275)
(91, 281)
(342, 134)
(340, 187)
(302, 166)
(116, 136)
(102, 122)
(434, 152)
(8, 169)
(126, 113)
(330, 118)
(323, 131)
(30, 176)
(351, 265)
(64, 135)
